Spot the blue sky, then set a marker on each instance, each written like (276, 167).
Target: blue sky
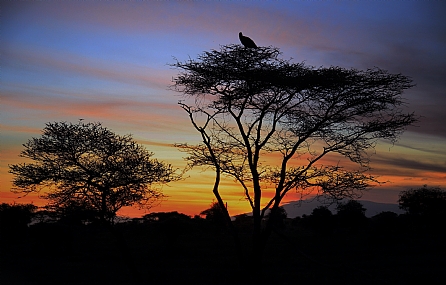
(108, 61)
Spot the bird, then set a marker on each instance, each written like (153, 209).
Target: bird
(246, 41)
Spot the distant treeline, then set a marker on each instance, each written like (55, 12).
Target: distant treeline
(38, 246)
(424, 208)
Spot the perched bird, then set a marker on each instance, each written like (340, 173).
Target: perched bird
(246, 41)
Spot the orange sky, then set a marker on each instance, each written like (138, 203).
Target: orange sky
(194, 193)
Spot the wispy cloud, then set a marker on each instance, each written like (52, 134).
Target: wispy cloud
(71, 63)
(150, 114)
(400, 162)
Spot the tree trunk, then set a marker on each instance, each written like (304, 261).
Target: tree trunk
(257, 233)
(255, 264)
(229, 224)
(104, 207)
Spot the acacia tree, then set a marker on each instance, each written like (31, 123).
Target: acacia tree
(87, 165)
(250, 105)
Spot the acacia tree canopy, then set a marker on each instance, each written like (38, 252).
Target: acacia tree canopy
(87, 164)
(250, 105)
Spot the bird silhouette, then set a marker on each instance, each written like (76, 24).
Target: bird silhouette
(246, 41)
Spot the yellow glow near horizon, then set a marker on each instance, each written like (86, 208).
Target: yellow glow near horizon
(194, 194)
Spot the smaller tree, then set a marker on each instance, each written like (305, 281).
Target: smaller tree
(351, 207)
(321, 220)
(76, 212)
(351, 214)
(243, 222)
(165, 216)
(170, 224)
(16, 215)
(425, 202)
(215, 214)
(87, 165)
(385, 222)
(276, 217)
(321, 212)
(14, 219)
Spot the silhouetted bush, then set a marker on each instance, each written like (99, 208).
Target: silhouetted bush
(170, 225)
(351, 215)
(320, 221)
(425, 201)
(74, 213)
(14, 219)
(167, 248)
(277, 217)
(164, 216)
(215, 215)
(385, 222)
(425, 208)
(243, 222)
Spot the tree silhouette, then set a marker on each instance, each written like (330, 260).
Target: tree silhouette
(14, 218)
(351, 214)
(87, 165)
(276, 217)
(74, 212)
(350, 207)
(164, 216)
(425, 201)
(268, 123)
(320, 220)
(215, 214)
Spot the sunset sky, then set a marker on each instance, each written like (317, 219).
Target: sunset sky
(108, 61)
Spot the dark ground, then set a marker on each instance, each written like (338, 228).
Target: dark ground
(194, 252)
